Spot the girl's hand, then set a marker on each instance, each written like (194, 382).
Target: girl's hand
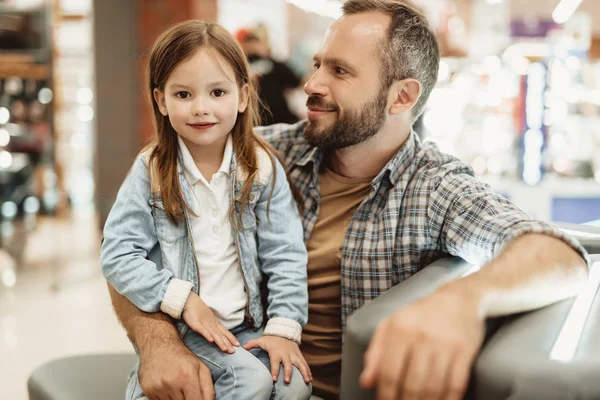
(200, 319)
(282, 351)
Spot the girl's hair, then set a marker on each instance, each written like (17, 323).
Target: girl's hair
(178, 44)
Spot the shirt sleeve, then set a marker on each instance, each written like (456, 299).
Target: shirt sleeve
(475, 223)
(129, 238)
(287, 140)
(283, 258)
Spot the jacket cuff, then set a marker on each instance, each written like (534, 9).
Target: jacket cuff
(175, 297)
(285, 328)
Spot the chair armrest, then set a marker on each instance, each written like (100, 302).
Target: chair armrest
(522, 361)
(587, 235)
(362, 323)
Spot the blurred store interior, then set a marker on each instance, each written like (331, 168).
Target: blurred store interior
(518, 98)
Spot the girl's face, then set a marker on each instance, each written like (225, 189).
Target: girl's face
(202, 100)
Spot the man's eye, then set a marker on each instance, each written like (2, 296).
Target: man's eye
(218, 93)
(316, 66)
(340, 71)
(182, 95)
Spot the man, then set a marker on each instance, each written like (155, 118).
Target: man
(378, 206)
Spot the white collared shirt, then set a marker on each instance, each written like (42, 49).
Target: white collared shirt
(221, 281)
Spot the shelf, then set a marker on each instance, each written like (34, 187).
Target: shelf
(24, 70)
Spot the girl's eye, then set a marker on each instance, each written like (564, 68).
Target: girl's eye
(182, 95)
(218, 93)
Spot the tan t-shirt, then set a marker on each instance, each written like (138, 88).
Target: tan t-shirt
(322, 335)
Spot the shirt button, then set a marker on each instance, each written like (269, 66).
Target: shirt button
(216, 229)
(215, 213)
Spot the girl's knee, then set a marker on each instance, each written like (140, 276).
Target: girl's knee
(297, 389)
(253, 381)
(263, 382)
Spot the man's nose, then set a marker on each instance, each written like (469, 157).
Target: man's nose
(316, 85)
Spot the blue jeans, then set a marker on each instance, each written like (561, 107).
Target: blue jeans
(238, 376)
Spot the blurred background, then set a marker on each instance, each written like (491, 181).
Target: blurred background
(518, 98)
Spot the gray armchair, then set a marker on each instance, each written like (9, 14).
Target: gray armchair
(515, 361)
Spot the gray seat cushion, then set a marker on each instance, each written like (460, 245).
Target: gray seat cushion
(90, 377)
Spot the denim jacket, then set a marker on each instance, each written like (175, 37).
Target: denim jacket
(143, 251)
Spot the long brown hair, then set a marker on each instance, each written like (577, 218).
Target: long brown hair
(175, 45)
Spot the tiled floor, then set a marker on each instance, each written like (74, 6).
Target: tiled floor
(58, 305)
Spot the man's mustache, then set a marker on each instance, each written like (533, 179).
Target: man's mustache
(318, 102)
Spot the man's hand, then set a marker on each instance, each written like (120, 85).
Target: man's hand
(201, 319)
(282, 351)
(425, 350)
(168, 369)
(174, 372)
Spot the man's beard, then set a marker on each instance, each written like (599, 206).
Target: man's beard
(352, 128)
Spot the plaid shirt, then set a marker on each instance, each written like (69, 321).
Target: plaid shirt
(423, 205)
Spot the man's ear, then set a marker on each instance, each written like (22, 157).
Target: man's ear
(159, 97)
(405, 94)
(244, 94)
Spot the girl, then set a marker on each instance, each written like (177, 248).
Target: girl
(204, 214)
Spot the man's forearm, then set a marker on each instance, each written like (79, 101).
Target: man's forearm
(533, 271)
(144, 329)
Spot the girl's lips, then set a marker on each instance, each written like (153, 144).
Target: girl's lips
(202, 126)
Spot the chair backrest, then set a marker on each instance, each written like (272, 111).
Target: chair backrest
(587, 235)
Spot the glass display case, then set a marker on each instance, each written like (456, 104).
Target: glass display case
(26, 114)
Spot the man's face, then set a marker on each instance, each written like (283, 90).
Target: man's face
(347, 104)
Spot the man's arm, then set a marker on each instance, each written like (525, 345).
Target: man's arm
(527, 263)
(167, 367)
(533, 264)
(533, 271)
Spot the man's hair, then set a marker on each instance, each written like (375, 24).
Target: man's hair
(411, 49)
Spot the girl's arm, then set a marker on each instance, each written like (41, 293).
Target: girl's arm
(283, 256)
(129, 237)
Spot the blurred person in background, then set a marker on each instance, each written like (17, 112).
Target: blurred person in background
(379, 206)
(274, 78)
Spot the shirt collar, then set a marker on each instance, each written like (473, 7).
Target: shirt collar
(189, 165)
(402, 160)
